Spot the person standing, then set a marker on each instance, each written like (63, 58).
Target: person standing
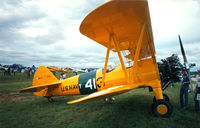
(184, 90)
(22, 71)
(9, 70)
(28, 73)
(62, 76)
(197, 91)
(14, 71)
(6, 71)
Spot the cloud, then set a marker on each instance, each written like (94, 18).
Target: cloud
(45, 32)
(41, 29)
(173, 17)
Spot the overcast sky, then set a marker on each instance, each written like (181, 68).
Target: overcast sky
(46, 32)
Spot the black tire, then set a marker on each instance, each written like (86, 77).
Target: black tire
(162, 108)
(49, 98)
(165, 98)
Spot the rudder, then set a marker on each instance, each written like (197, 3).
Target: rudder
(43, 76)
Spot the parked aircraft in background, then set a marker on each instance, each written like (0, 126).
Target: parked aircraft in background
(76, 70)
(56, 69)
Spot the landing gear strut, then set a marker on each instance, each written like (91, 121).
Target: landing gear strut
(109, 100)
(165, 98)
(49, 98)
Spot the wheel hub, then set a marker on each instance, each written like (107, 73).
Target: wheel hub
(162, 109)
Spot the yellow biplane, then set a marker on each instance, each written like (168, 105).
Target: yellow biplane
(124, 27)
(55, 69)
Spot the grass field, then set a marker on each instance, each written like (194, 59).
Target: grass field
(130, 110)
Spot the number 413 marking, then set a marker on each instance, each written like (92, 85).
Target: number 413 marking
(90, 85)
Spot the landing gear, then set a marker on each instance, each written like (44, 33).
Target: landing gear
(109, 100)
(162, 108)
(49, 98)
(165, 98)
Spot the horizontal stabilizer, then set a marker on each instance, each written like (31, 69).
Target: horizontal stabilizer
(38, 88)
(103, 94)
(42, 80)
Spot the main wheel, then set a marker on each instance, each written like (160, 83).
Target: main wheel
(165, 98)
(162, 108)
(109, 100)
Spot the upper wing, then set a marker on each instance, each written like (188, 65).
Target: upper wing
(123, 18)
(103, 94)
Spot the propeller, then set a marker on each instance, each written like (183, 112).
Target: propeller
(183, 53)
(187, 66)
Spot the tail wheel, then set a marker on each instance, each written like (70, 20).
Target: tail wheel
(49, 98)
(165, 98)
(162, 108)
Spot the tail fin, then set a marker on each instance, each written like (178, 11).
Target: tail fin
(42, 79)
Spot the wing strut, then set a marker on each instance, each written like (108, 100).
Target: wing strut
(105, 66)
(139, 45)
(116, 44)
(138, 49)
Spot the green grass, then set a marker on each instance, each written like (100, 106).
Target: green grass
(130, 110)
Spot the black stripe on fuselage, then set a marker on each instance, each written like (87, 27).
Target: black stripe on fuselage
(87, 83)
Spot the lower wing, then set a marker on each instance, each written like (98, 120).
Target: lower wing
(103, 94)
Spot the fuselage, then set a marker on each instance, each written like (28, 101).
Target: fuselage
(87, 83)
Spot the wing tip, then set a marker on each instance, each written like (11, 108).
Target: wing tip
(74, 102)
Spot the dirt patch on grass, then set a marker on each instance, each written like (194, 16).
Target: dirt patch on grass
(12, 96)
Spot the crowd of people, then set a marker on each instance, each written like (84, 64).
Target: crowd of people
(12, 71)
(184, 89)
(8, 71)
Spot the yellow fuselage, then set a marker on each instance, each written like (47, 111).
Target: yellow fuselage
(87, 83)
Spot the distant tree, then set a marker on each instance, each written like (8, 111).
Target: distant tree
(170, 70)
